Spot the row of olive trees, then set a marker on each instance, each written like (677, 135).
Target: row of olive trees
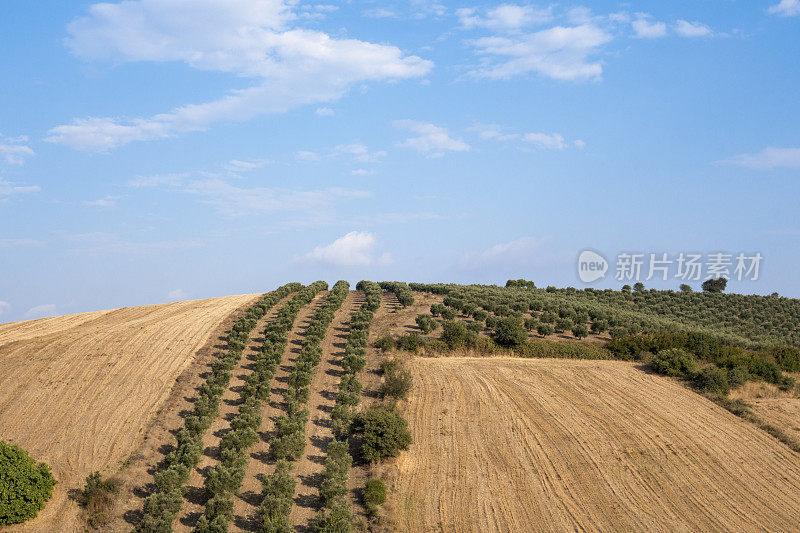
(161, 507)
(224, 480)
(288, 442)
(401, 290)
(335, 514)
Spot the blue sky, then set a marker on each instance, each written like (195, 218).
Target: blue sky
(156, 150)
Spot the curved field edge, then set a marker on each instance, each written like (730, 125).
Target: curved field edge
(506, 444)
(84, 397)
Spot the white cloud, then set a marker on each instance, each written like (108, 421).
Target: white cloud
(106, 203)
(251, 39)
(41, 311)
(177, 295)
(234, 201)
(579, 143)
(14, 150)
(506, 17)
(357, 248)
(433, 141)
(4, 306)
(8, 188)
(562, 52)
(171, 180)
(12, 243)
(492, 131)
(547, 141)
(305, 155)
(325, 112)
(786, 8)
(359, 152)
(236, 165)
(363, 172)
(692, 29)
(767, 159)
(646, 29)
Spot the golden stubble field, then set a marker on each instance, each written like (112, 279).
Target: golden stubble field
(565, 445)
(79, 391)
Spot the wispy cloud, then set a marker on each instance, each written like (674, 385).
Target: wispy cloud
(13, 243)
(504, 18)
(692, 29)
(432, 141)
(177, 295)
(544, 141)
(15, 150)
(357, 248)
(359, 153)
(769, 158)
(648, 29)
(8, 188)
(41, 311)
(106, 203)
(253, 39)
(786, 8)
(239, 166)
(230, 200)
(158, 180)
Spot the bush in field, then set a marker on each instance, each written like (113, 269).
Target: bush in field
(373, 495)
(545, 329)
(437, 309)
(454, 334)
(384, 432)
(448, 314)
(674, 362)
(426, 323)
(714, 380)
(510, 332)
(475, 327)
(599, 326)
(737, 376)
(563, 324)
(479, 315)
(410, 342)
(580, 331)
(97, 498)
(638, 286)
(396, 379)
(24, 485)
(385, 343)
(686, 288)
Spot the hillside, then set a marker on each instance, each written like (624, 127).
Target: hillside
(78, 392)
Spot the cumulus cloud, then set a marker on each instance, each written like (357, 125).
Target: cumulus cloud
(692, 29)
(357, 248)
(253, 39)
(786, 8)
(566, 53)
(14, 150)
(646, 29)
(41, 311)
(432, 141)
(769, 158)
(506, 17)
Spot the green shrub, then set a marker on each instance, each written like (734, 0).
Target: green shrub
(25, 485)
(426, 323)
(714, 380)
(374, 493)
(454, 334)
(737, 376)
(545, 329)
(97, 498)
(580, 331)
(385, 343)
(510, 332)
(385, 433)
(674, 362)
(396, 379)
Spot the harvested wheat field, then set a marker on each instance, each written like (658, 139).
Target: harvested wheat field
(519, 444)
(78, 392)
